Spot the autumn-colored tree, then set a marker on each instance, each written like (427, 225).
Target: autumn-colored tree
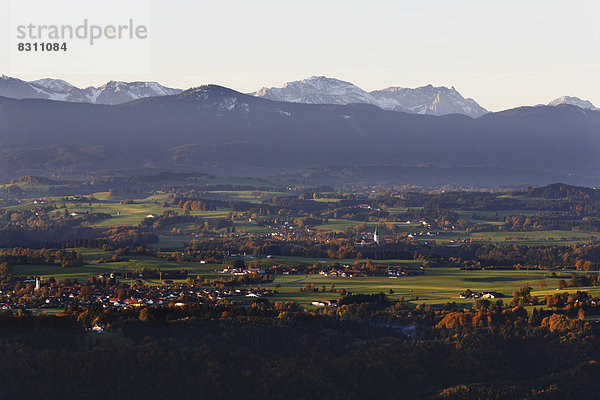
(5, 271)
(556, 322)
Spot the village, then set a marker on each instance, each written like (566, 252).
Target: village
(334, 270)
(38, 294)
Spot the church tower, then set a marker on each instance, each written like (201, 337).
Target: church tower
(376, 237)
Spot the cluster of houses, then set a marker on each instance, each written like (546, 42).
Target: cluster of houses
(415, 234)
(62, 296)
(398, 271)
(325, 303)
(243, 271)
(287, 231)
(138, 275)
(345, 270)
(348, 273)
(468, 294)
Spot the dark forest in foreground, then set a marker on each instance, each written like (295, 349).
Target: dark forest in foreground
(369, 348)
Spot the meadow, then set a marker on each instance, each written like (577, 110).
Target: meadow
(437, 286)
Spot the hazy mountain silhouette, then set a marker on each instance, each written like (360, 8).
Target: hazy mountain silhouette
(218, 130)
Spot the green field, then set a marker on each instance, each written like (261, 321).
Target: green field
(247, 227)
(171, 241)
(437, 286)
(94, 268)
(133, 214)
(251, 196)
(489, 216)
(529, 237)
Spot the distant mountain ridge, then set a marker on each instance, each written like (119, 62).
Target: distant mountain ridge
(218, 130)
(111, 93)
(428, 99)
(574, 101)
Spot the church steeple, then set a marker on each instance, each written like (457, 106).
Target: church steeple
(376, 236)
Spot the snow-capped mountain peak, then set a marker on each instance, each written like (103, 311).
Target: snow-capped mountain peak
(317, 90)
(424, 100)
(116, 92)
(111, 93)
(57, 85)
(574, 101)
(428, 100)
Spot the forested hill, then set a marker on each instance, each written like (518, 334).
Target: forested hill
(562, 191)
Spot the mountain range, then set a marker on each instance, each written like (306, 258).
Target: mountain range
(423, 100)
(218, 130)
(428, 99)
(111, 93)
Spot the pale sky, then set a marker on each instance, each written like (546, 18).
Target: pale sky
(501, 53)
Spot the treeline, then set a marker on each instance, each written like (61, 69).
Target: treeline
(553, 221)
(486, 255)
(25, 256)
(562, 191)
(34, 180)
(129, 236)
(58, 233)
(112, 242)
(470, 255)
(196, 205)
(239, 280)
